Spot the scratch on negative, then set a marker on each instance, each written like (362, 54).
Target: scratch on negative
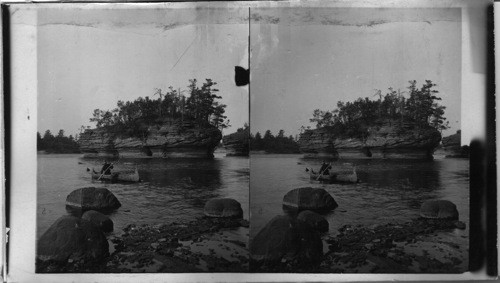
(183, 53)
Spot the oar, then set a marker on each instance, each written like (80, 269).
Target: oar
(321, 172)
(111, 164)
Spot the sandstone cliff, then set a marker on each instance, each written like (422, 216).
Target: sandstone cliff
(390, 139)
(452, 146)
(171, 139)
(237, 143)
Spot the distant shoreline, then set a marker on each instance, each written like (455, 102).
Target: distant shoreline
(43, 152)
(255, 152)
(259, 152)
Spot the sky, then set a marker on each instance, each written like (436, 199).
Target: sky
(309, 58)
(91, 58)
(301, 59)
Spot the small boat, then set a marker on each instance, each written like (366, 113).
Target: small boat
(117, 176)
(348, 177)
(332, 177)
(320, 177)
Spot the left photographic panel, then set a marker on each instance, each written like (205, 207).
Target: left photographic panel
(142, 138)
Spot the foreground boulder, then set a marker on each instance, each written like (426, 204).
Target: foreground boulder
(223, 207)
(309, 199)
(316, 221)
(439, 209)
(99, 219)
(286, 238)
(91, 198)
(72, 238)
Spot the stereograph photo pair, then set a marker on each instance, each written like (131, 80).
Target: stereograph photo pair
(329, 138)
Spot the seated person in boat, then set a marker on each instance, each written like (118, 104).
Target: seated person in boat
(106, 168)
(325, 168)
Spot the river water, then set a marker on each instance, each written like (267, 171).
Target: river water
(390, 191)
(171, 189)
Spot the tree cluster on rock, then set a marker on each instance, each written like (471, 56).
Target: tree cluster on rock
(237, 143)
(353, 119)
(56, 144)
(274, 144)
(452, 146)
(133, 118)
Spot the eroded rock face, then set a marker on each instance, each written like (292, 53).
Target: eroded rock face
(172, 139)
(223, 207)
(309, 199)
(439, 209)
(452, 146)
(237, 144)
(99, 219)
(72, 238)
(90, 198)
(285, 238)
(391, 139)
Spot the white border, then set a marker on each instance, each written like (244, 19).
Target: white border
(23, 191)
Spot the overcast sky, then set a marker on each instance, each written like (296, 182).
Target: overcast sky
(302, 59)
(309, 58)
(91, 58)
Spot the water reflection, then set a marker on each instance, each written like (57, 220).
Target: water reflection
(196, 181)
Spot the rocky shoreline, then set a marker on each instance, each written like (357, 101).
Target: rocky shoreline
(299, 240)
(202, 245)
(418, 246)
(209, 245)
(82, 241)
(237, 143)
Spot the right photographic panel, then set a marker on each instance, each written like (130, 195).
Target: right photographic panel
(358, 162)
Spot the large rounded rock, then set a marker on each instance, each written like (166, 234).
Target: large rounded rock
(286, 238)
(223, 207)
(91, 198)
(309, 199)
(72, 237)
(99, 219)
(314, 220)
(439, 209)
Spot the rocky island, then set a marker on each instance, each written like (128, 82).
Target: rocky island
(389, 139)
(173, 138)
(394, 126)
(170, 126)
(237, 143)
(452, 146)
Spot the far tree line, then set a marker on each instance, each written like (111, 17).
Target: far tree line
(56, 144)
(274, 144)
